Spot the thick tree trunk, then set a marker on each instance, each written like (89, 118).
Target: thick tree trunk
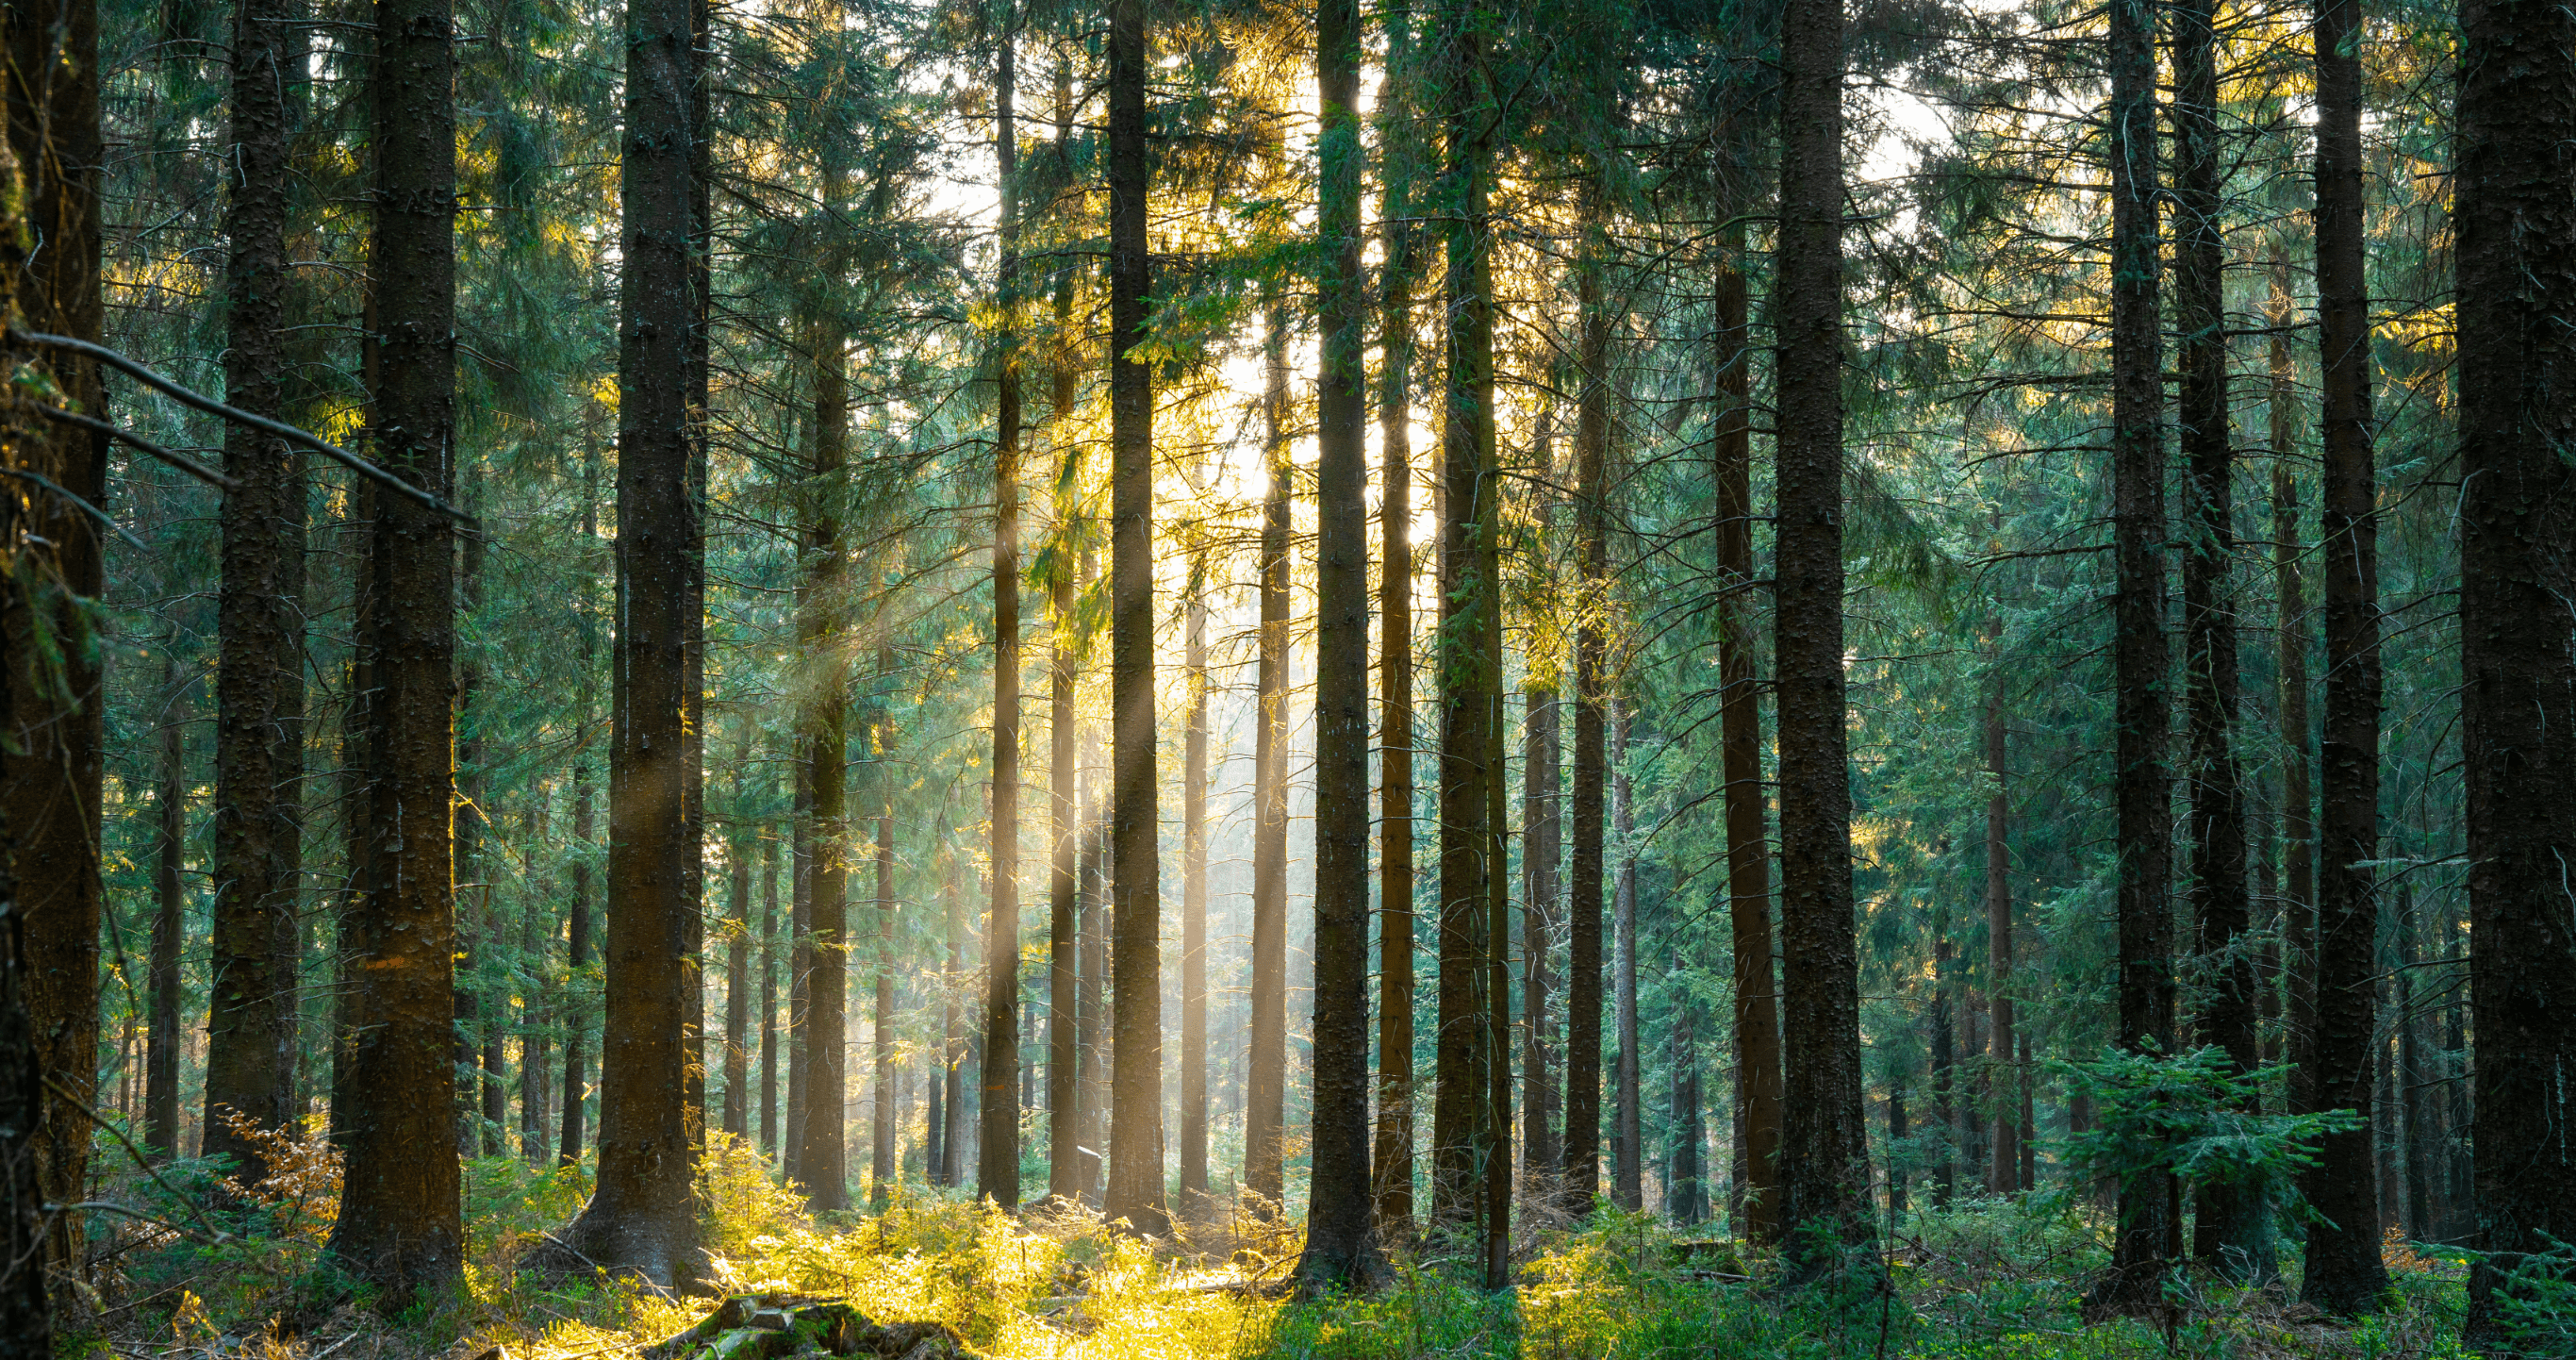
(997, 1164)
(259, 686)
(2516, 220)
(1583, 967)
(1825, 1175)
(1540, 1147)
(1748, 845)
(1266, 1081)
(2344, 1273)
(2228, 1219)
(1135, 1190)
(1391, 1156)
(399, 1222)
(2150, 1214)
(1463, 1139)
(1339, 1245)
(50, 775)
(822, 1154)
(26, 1314)
(169, 920)
(1194, 902)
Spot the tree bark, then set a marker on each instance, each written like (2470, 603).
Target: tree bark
(1391, 1156)
(169, 919)
(1135, 1191)
(1463, 1140)
(50, 777)
(1945, 1069)
(1582, 1151)
(2150, 1215)
(2002, 1173)
(259, 687)
(1339, 1245)
(576, 1079)
(997, 1165)
(2290, 647)
(738, 946)
(1824, 1157)
(26, 1314)
(883, 1127)
(1628, 1137)
(822, 1164)
(1064, 1130)
(2344, 1273)
(1194, 902)
(2516, 221)
(1539, 856)
(399, 1223)
(1748, 846)
(1266, 1080)
(769, 924)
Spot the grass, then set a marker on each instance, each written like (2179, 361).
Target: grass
(1991, 1280)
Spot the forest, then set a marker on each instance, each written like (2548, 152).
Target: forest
(725, 679)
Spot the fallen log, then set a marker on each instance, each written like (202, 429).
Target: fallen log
(778, 1326)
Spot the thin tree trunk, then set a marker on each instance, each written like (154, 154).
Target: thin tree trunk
(1628, 1139)
(800, 955)
(2149, 1237)
(2290, 648)
(1339, 1245)
(399, 1222)
(26, 1311)
(2414, 1123)
(1945, 1070)
(2516, 224)
(259, 687)
(947, 1162)
(1194, 902)
(1748, 846)
(1135, 1191)
(537, 1002)
(2003, 1173)
(997, 1165)
(1091, 988)
(2344, 1273)
(769, 924)
(822, 1163)
(1391, 1156)
(1685, 1194)
(882, 1169)
(738, 946)
(1064, 1129)
(1539, 1144)
(1825, 1174)
(1266, 1088)
(1582, 1150)
(169, 919)
(576, 1078)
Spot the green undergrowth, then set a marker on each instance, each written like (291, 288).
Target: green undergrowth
(1996, 1279)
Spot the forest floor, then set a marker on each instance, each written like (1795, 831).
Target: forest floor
(1997, 1279)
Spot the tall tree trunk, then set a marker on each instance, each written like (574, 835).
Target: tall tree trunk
(50, 776)
(1135, 1190)
(1748, 845)
(26, 1313)
(881, 1135)
(800, 955)
(2290, 648)
(1194, 903)
(2002, 1174)
(1391, 1156)
(1628, 1136)
(2228, 1219)
(1686, 1193)
(948, 1165)
(2414, 1124)
(538, 1000)
(698, 374)
(2150, 1214)
(259, 686)
(1539, 1144)
(576, 1078)
(399, 1223)
(1582, 1152)
(738, 947)
(2516, 221)
(1339, 1245)
(1091, 988)
(481, 1008)
(1825, 1176)
(1064, 1093)
(769, 924)
(821, 1140)
(2344, 1273)
(1944, 1046)
(1266, 1083)
(1462, 1137)
(997, 1165)
(169, 918)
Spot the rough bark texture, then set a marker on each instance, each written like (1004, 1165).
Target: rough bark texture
(1135, 1190)
(1824, 1181)
(2344, 1273)
(50, 774)
(822, 1152)
(1339, 1245)
(1748, 845)
(997, 1165)
(2516, 218)
(1391, 1157)
(26, 1314)
(1463, 1141)
(1266, 1077)
(2228, 1218)
(399, 1221)
(2150, 1217)
(1582, 1147)
(642, 1216)
(259, 684)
